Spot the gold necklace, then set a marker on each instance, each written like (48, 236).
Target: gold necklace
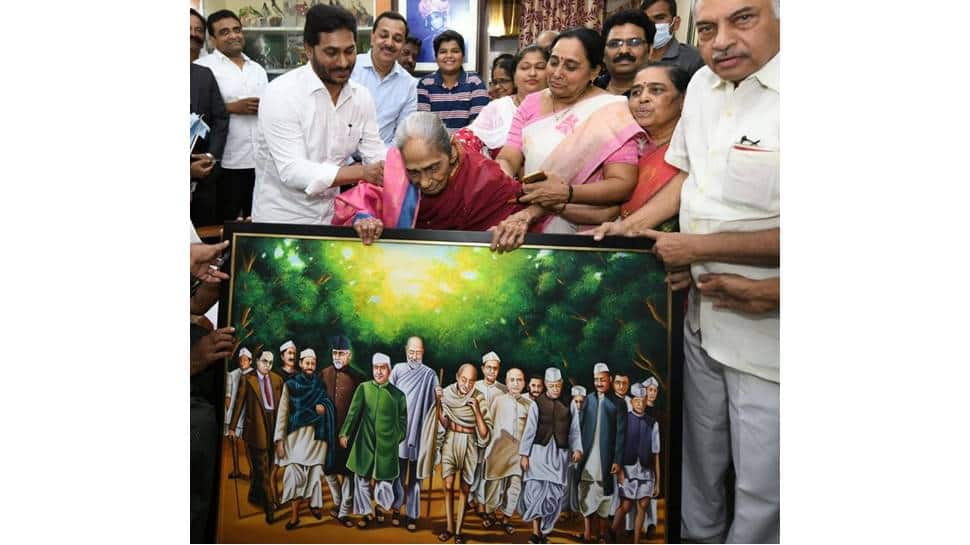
(558, 117)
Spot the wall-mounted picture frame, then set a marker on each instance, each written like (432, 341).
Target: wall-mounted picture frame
(429, 18)
(559, 301)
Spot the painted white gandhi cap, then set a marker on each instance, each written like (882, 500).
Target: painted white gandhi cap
(578, 391)
(600, 368)
(552, 375)
(638, 390)
(245, 352)
(651, 382)
(308, 353)
(286, 345)
(491, 356)
(380, 359)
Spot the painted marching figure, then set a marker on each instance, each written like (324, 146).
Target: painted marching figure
(491, 388)
(652, 387)
(621, 391)
(551, 432)
(375, 425)
(288, 356)
(571, 506)
(418, 382)
(304, 434)
(503, 472)
(456, 430)
(641, 463)
(233, 379)
(603, 426)
(260, 395)
(341, 383)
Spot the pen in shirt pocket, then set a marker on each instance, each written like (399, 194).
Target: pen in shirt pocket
(750, 144)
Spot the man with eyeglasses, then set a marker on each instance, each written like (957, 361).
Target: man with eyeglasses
(628, 35)
(666, 48)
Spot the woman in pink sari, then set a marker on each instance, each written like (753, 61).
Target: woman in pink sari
(583, 139)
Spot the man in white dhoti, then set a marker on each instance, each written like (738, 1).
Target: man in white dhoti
(551, 431)
(503, 470)
(304, 431)
(641, 463)
(491, 388)
(603, 420)
(232, 393)
(456, 430)
(418, 382)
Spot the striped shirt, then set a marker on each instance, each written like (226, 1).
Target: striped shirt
(456, 107)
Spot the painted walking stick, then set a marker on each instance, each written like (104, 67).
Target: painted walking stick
(441, 377)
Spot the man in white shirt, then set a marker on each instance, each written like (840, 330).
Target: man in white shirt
(394, 91)
(311, 120)
(241, 82)
(728, 141)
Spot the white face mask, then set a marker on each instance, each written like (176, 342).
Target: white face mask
(663, 35)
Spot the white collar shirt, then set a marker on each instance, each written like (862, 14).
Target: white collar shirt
(236, 83)
(302, 140)
(728, 141)
(396, 95)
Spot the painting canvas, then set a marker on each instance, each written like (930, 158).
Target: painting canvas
(429, 18)
(556, 302)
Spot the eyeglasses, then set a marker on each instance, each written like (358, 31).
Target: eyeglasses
(630, 42)
(501, 81)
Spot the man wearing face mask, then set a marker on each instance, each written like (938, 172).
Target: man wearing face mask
(628, 35)
(663, 13)
(341, 382)
(311, 120)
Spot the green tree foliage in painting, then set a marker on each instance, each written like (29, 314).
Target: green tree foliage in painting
(535, 307)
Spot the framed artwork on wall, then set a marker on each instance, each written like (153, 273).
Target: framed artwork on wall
(560, 302)
(429, 18)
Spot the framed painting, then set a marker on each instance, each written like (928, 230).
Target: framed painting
(311, 304)
(429, 18)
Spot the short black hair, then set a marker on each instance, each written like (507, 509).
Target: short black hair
(413, 40)
(591, 40)
(536, 377)
(621, 374)
(193, 13)
(218, 16)
(670, 4)
(531, 48)
(630, 17)
(506, 62)
(449, 36)
(324, 18)
(391, 15)
(678, 75)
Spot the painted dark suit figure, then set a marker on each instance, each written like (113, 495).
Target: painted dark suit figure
(603, 424)
(341, 382)
(260, 393)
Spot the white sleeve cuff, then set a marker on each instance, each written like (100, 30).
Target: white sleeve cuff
(325, 180)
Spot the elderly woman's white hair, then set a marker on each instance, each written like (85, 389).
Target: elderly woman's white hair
(424, 126)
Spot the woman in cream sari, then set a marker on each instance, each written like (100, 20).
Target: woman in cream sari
(583, 139)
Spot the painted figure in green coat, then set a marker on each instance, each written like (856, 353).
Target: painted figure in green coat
(376, 424)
